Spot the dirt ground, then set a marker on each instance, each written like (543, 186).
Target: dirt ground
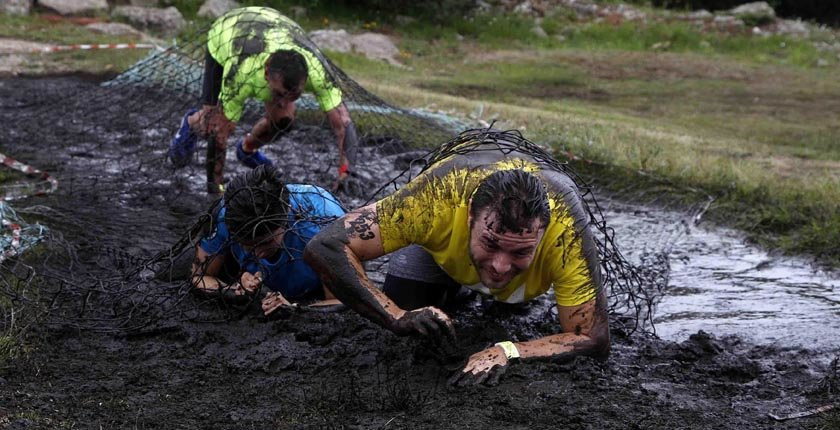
(309, 369)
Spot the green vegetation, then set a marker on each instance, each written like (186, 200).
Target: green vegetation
(752, 120)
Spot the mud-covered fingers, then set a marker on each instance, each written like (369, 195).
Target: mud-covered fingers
(495, 375)
(270, 303)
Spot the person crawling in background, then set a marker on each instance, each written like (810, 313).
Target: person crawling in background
(497, 220)
(257, 239)
(252, 53)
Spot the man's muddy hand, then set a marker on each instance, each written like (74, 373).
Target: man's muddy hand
(429, 322)
(350, 184)
(212, 121)
(273, 301)
(483, 367)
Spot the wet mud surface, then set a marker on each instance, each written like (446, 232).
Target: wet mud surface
(308, 369)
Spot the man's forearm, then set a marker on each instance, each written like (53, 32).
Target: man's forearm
(342, 272)
(345, 133)
(207, 283)
(563, 346)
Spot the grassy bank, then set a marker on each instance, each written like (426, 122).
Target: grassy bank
(752, 120)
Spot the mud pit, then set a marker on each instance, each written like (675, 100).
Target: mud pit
(306, 369)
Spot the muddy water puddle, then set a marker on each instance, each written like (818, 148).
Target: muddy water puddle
(720, 284)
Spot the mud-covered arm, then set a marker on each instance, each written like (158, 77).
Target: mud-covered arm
(585, 332)
(205, 269)
(345, 137)
(337, 253)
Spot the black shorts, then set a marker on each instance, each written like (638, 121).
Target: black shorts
(415, 280)
(211, 86)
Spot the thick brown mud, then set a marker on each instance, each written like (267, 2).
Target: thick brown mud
(307, 369)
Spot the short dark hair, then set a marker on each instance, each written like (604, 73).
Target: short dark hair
(256, 204)
(516, 196)
(288, 64)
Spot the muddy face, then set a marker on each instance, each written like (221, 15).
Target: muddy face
(500, 255)
(265, 246)
(280, 95)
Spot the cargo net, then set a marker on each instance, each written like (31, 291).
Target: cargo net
(123, 224)
(144, 105)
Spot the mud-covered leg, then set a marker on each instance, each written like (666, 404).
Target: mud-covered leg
(215, 164)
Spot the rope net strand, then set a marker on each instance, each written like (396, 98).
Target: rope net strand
(124, 224)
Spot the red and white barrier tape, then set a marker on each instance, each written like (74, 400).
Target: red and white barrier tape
(51, 182)
(77, 47)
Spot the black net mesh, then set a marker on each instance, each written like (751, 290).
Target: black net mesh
(123, 224)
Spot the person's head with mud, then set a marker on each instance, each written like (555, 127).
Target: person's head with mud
(259, 231)
(508, 215)
(495, 218)
(285, 74)
(257, 53)
(257, 211)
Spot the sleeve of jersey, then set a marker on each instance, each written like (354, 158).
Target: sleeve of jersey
(327, 94)
(571, 277)
(218, 240)
(405, 217)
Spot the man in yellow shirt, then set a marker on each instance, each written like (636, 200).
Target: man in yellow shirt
(495, 220)
(257, 53)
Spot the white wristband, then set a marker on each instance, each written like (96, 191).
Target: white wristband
(509, 348)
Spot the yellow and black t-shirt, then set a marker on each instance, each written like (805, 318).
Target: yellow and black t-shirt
(432, 211)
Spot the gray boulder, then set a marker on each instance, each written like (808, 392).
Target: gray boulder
(74, 7)
(376, 47)
(539, 32)
(372, 45)
(216, 8)
(701, 14)
(167, 21)
(332, 40)
(792, 27)
(755, 12)
(15, 7)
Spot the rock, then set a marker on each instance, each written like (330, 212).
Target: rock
(333, 40)
(74, 7)
(822, 62)
(15, 7)
(144, 3)
(539, 32)
(297, 11)
(792, 27)
(376, 46)
(168, 20)
(372, 45)
(756, 13)
(524, 8)
(114, 28)
(216, 8)
(701, 14)
(727, 22)
(661, 46)
(482, 6)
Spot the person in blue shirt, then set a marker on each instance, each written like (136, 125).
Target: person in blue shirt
(262, 225)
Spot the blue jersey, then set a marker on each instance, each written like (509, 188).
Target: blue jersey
(312, 208)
